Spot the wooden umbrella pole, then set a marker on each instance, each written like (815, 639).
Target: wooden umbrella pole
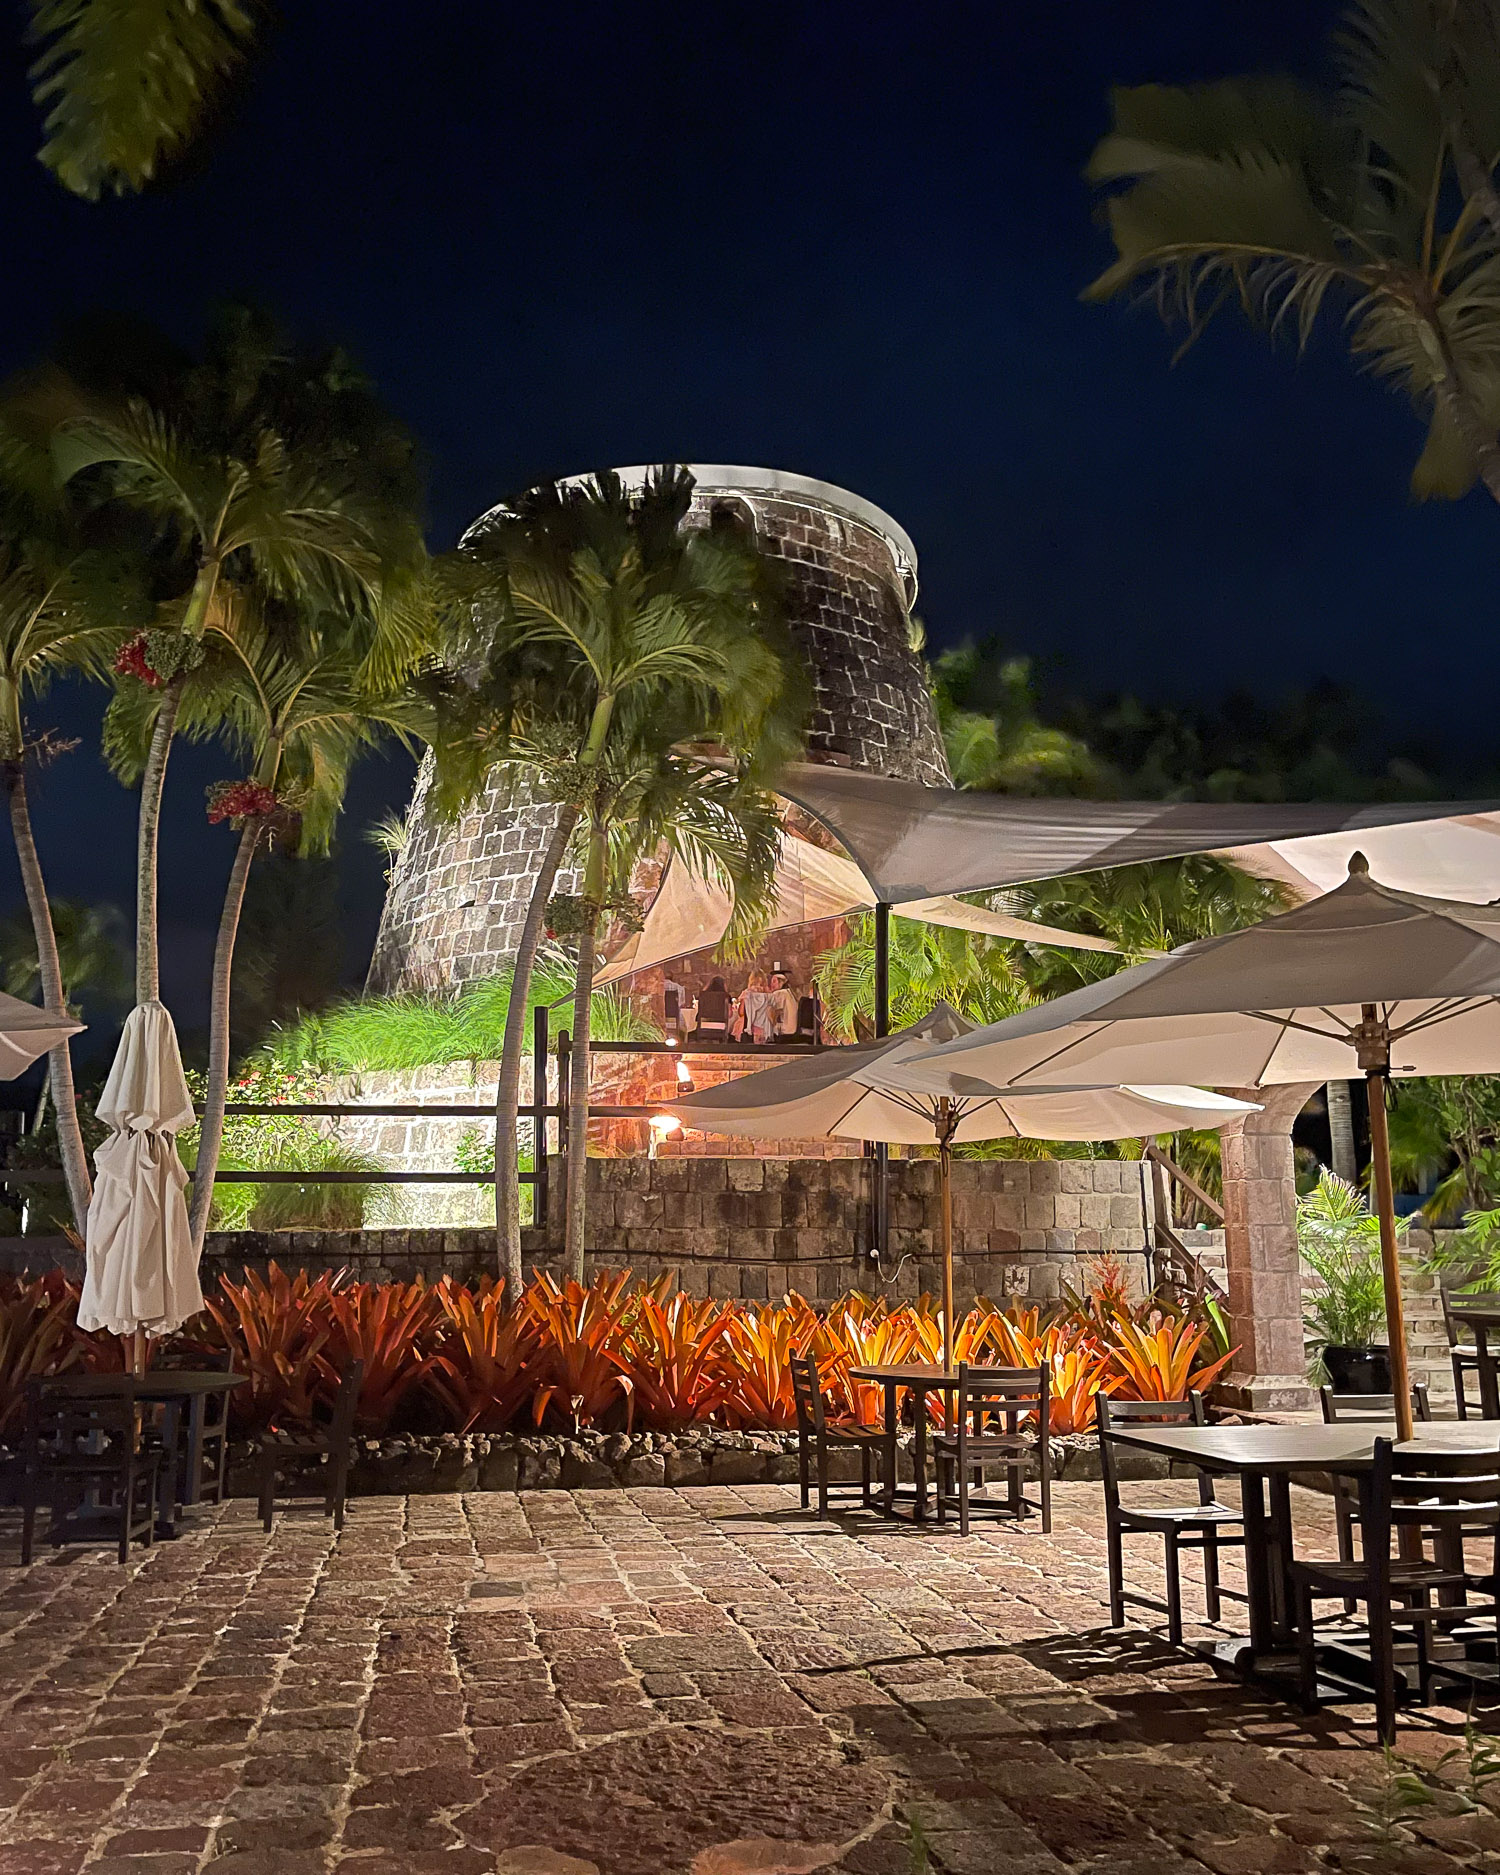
(1374, 1043)
(945, 1161)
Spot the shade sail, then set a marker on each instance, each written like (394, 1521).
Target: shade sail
(912, 842)
(690, 913)
(26, 1032)
(846, 1093)
(141, 1271)
(1272, 1005)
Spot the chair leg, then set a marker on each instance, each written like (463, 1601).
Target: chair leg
(1211, 1575)
(864, 1476)
(1383, 1664)
(1458, 1387)
(340, 1491)
(1044, 1460)
(1307, 1656)
(267, 1487)
(822, 1477)
(1116, 1574)
(1174, 1590)
(962, 1472)
(804, 1470)
(1346, 1536)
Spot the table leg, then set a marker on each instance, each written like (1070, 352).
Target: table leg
(1489, 1388)
(1258, 1562)
(892, 1433)
(166, 1484)
(192, 1485)
(1283, 1619)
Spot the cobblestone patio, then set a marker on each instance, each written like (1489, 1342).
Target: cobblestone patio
(649, 1682)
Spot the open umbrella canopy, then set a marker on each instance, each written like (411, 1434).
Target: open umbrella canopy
(26, 1032)
(142, 1274)
(855, 1093)
(1277, 1003)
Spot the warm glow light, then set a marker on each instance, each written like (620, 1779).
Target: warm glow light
(664, 1123)
(684, 1073)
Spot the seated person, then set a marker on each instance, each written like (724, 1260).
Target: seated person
(783, 1004)
(756, 1021)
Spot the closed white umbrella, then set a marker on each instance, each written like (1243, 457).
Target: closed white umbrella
(857, 1093)
(142, 1273)
(1402, 984)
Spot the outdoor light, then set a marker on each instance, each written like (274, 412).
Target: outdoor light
(684, 1078)
(661, 1125)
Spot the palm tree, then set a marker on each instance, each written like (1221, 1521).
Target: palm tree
(300, 717)
(126, 84)
(271, 482)
(619, 638)
(59, 612)
(1379, 200)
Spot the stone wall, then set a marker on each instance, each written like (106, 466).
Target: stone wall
(458, 892)
(760, 1227)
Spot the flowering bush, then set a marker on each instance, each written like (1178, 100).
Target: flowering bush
(449, 1358)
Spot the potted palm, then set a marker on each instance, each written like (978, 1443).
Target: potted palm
(1345, 1312)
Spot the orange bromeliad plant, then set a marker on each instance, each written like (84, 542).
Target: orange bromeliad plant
(387, 1326)
(585, 1375)
(677, 1358)
(1155, 1360)
(485, 1367)
(758, 1351)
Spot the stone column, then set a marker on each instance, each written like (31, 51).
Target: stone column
(1269, 1373)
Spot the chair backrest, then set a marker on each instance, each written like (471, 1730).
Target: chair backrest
(1357, 1406)
(807, 1017)
(60, 1423)
(1109, 1413)
(713, 1009)
(1454, 1323)
(1007, 1394)
(341, 1426)
(807, 1391)
(216, 1404)
(1431, 1490)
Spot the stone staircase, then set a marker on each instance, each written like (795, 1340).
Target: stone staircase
(1426, 1338)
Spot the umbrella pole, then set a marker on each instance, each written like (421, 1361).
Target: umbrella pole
(1375, 1058)
(945, 1179)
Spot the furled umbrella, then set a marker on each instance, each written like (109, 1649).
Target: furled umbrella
(142, 1274)
(1400, 983)
(857, 1093)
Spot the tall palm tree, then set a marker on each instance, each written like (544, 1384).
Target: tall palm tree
(126, 84)
(267, 486)
(1377, 202)
(299, 715)
(59, 613)
(618, 636)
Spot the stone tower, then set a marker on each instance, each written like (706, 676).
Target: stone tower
(458, 894)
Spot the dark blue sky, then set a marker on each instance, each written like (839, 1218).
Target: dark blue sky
(842, 239)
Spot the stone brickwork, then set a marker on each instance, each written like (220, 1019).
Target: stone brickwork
(458, 893)
(760, 1227)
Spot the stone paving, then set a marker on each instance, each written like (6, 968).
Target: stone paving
(655, 1682)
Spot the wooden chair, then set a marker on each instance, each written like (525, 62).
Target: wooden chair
(87, 1454)
(1345, 1407)
(1207, 1525)
(1436, 1495)
(1463, 1356)
(993, 1403)
(816, 1437)
(212, 1455)
(331, 1443)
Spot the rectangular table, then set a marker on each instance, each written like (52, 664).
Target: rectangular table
(1265, 1459)
(919, 1378)
(178, 1391)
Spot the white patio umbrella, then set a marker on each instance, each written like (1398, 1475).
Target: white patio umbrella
(142, 1274)
(1407, 985)
(26, 1032)
(856, 1093)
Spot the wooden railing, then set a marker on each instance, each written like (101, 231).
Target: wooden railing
(1175, 1263)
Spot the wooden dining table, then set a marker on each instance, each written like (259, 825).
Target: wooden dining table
(1483, 1321)
(178, 1392)
(1265, 1460)
(919, 1379)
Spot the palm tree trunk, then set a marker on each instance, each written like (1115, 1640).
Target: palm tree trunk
(508, 1090)
(1341, 1130)
(75, 1162)
(576, 1218)
(211, 1131)
(153, 781)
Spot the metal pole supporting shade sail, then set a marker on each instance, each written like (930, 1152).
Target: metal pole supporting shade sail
(1364, 976)
(857, 1093)
(142, 1271)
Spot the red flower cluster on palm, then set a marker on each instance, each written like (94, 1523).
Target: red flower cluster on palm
(133, 662)
(240, 800)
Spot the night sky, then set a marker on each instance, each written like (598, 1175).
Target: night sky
(843, 240)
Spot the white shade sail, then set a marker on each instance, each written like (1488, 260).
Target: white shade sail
(912, 842)
(689, 913)
(1275, 1004)
(141, 1271)
(26, 1032)
(855, 1093)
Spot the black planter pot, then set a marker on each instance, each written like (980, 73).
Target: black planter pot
(1358, 1370)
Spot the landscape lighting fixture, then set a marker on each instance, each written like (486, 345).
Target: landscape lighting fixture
(684, 1078)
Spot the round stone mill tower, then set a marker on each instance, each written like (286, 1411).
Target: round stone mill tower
(458, 894)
